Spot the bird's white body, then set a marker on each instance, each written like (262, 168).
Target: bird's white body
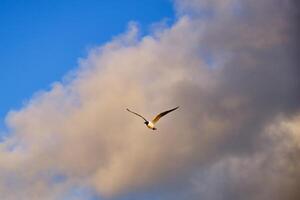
(150, 125)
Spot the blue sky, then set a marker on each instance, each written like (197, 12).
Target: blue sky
(42, 40)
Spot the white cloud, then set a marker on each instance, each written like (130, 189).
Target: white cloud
(80, 128)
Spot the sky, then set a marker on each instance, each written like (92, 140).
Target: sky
(41, 41)
(231, 65)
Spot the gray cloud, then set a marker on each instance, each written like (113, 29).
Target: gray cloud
(234, 72)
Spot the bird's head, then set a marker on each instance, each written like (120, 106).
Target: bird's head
(146, 122)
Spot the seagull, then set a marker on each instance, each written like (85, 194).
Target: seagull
(150, 124)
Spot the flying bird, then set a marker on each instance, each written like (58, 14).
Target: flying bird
(150, 124)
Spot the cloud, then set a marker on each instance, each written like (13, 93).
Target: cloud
(234, 72)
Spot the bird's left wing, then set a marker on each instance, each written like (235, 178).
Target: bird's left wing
(163, 114)
(137, 114)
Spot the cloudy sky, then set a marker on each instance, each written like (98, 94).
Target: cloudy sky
(70, 69)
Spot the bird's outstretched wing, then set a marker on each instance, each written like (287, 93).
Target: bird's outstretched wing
(163, 114)
(137, 114)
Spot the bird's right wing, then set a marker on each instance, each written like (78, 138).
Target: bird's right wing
(163, 114)
(137, 114)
